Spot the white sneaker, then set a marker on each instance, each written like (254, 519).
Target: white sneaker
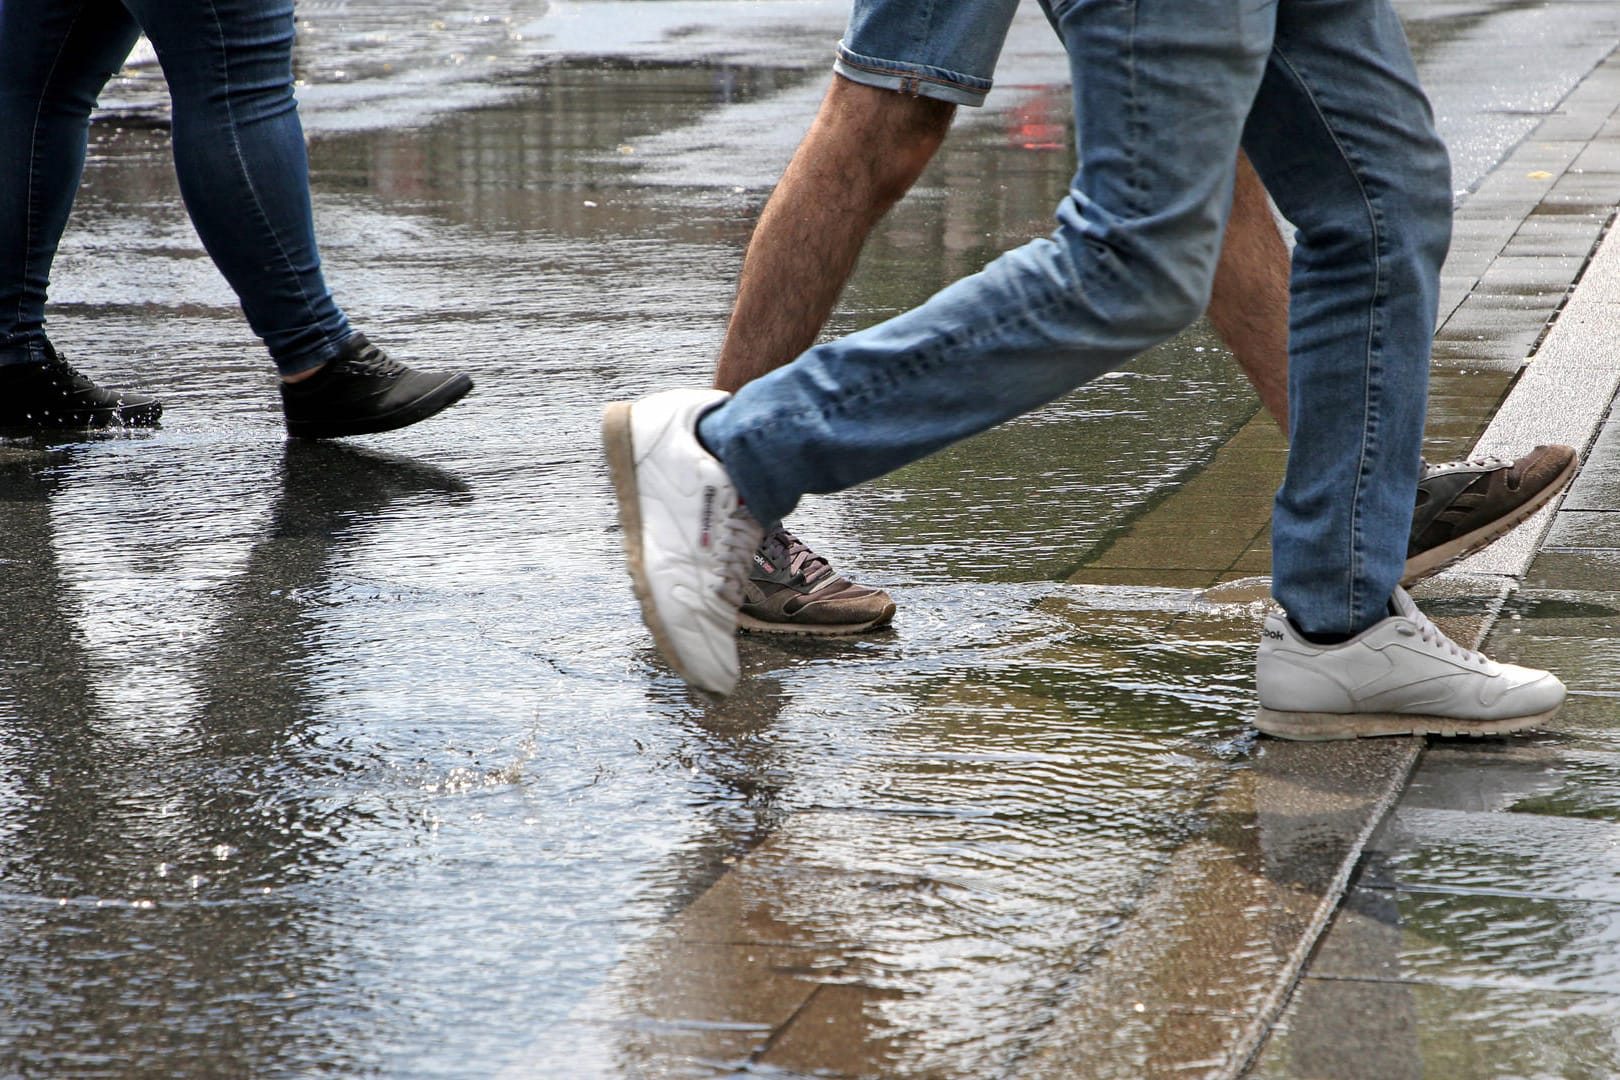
(1401, 676)
(688, 539)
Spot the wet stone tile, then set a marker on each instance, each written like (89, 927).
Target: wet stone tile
(1478, 350)
(1555, 235)
(1596, 488)
(1167, 579)
(1585, 529)
(1517, 274)
(1349, 1029)
(1510, 943)
(841, 1032)
(1506, 854)
(1588, 568)
(1475, 323)
(1543, 612)
(1584, 664)
(1538, 774)
(1589, 721)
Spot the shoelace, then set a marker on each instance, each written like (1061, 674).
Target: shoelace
(65, 372)
(1489, 462)
(739, 536)
(800, 560)
(1433, 635)
(373, 361)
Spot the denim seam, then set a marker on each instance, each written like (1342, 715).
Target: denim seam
(1137, 126)
(1374, 336)
(247, 178)
(29, 215)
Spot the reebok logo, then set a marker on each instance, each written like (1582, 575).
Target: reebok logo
(708, 516)
(1268, 632)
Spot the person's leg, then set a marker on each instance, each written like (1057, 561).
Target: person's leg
(1249, 304)
(243, 170)
(1344, 138)
(1342, 133)
(58, 57)
(244, 175)
(902, 68)
(864, 150)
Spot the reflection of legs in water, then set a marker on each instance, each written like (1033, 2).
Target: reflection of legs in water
(240, 159)
(329, 491)
(98, 812)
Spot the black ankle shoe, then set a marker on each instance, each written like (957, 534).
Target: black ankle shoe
(54, 397)
(361, 391)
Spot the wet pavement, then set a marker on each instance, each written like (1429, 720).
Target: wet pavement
(354, 760)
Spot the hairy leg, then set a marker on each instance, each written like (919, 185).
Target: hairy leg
(1249, 304)
(865, 149)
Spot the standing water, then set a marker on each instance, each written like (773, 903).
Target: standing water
(355, 759)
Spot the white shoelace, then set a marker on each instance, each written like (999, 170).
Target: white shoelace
(1433, 635)
(1491, 463)
(739, 537)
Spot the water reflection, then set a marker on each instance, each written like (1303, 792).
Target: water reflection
(172, 885)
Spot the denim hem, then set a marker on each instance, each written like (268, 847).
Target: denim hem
(310, 359)
(29, 352)
(918, 80)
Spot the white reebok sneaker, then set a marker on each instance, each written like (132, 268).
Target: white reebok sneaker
(1400, 676)
(688, 539)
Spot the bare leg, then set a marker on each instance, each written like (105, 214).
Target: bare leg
(863, 152)
(1249, 305)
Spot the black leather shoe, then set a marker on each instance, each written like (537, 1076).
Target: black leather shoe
(54, 397)
(361, 391)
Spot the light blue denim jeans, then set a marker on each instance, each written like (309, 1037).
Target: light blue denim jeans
(945, 49)
(238, 151)
(1324, 97)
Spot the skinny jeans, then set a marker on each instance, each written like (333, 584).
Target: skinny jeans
(238, 152)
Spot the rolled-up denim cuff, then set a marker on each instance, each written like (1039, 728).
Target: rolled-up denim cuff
(915, 79)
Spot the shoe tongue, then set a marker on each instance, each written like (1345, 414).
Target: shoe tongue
(790, 555)
(1400, 603)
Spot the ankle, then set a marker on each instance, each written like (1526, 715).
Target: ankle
(300, 376)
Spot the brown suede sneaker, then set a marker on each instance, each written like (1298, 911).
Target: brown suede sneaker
(1462, 506)
(792, 590)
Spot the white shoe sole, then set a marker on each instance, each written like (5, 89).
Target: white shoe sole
(1321, 727)
(619, 444)
(1436, 559)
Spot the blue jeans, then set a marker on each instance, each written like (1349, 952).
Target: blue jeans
(238, 151)
(1324, 97)
(945, 49)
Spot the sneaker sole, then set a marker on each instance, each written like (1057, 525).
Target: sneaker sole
(619, 444)
(1322, 727)
(748, 622)
(429, 404)
(1436, 559)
